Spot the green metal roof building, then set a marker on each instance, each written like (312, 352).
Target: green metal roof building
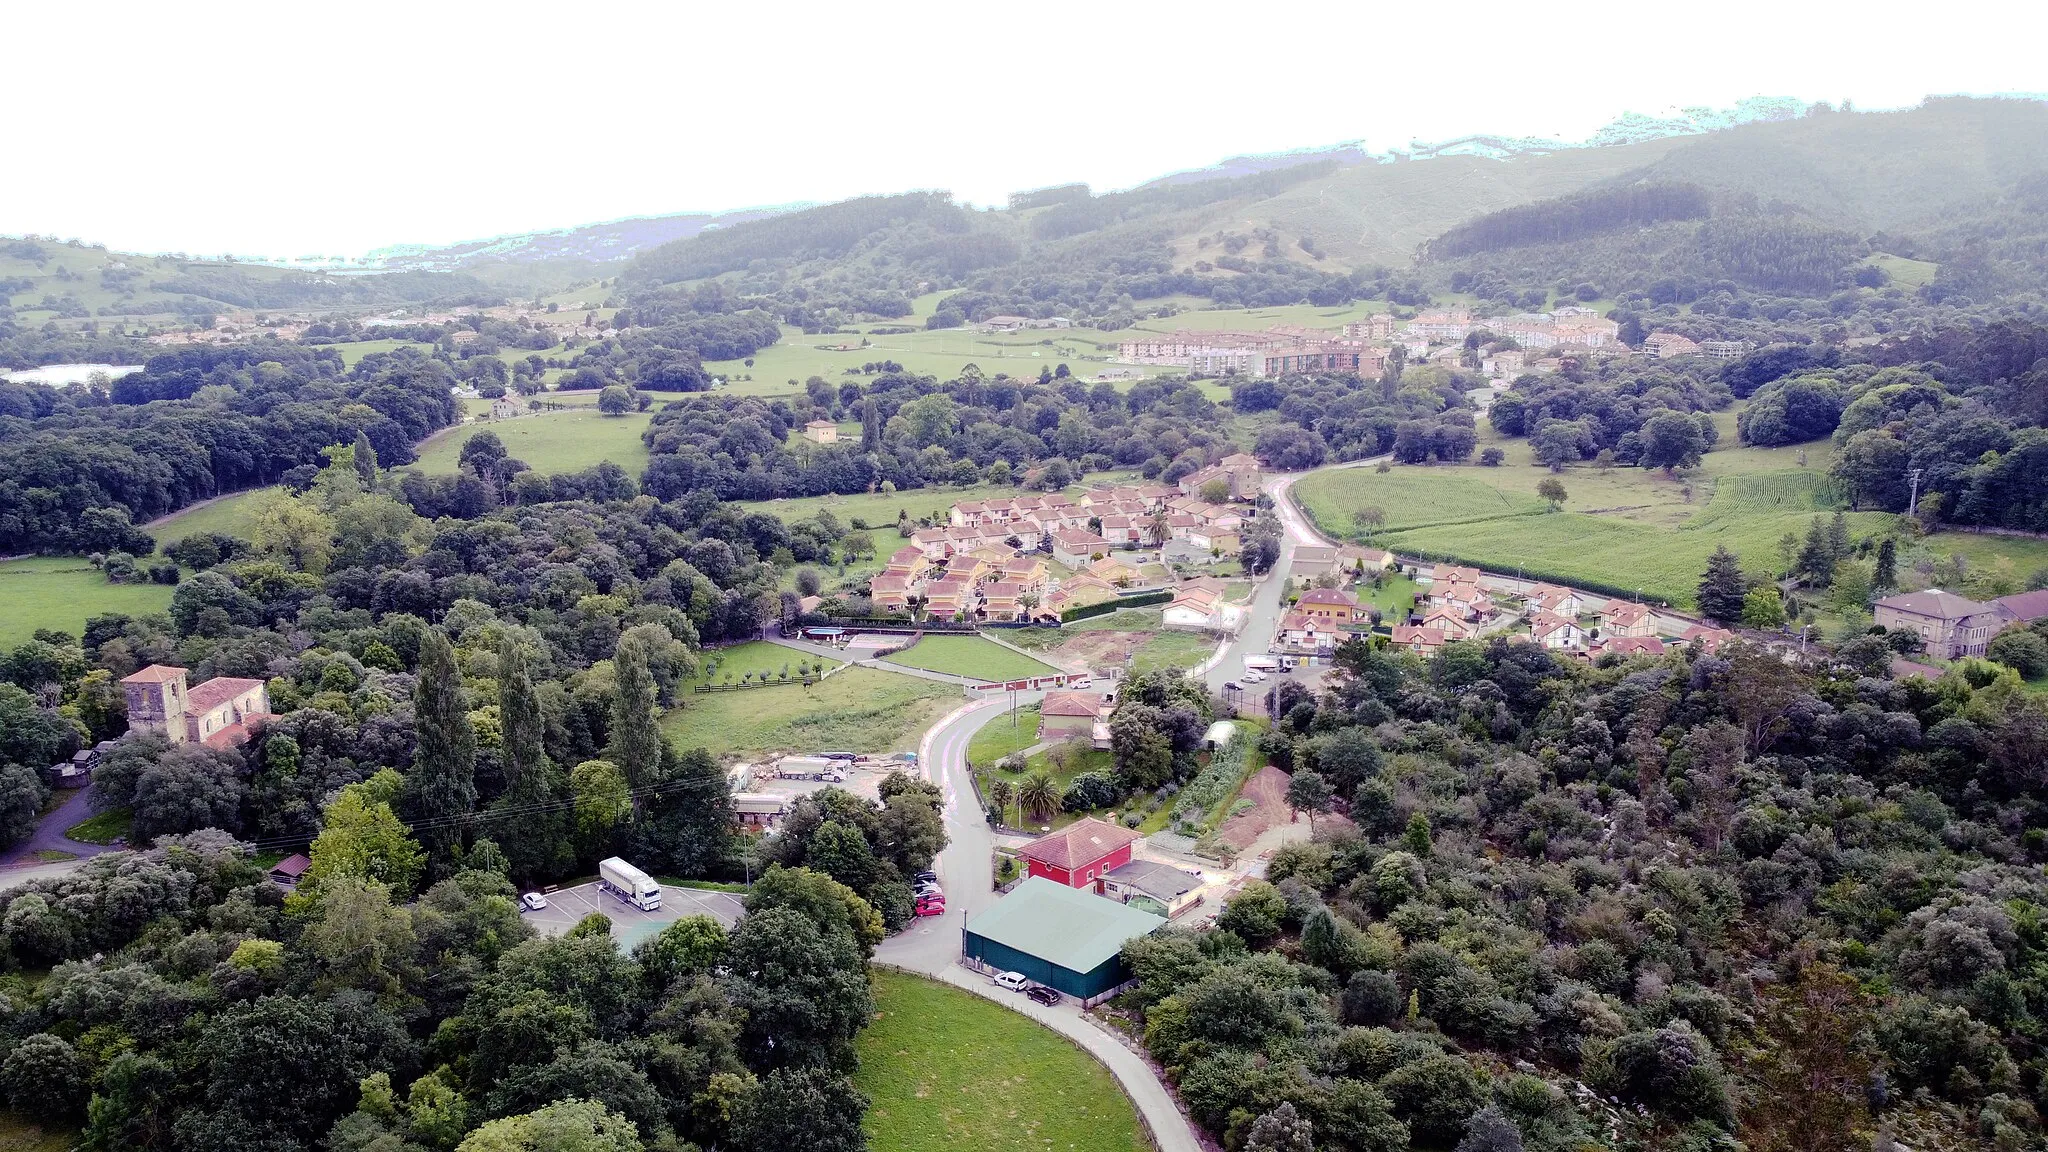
(1061, 937)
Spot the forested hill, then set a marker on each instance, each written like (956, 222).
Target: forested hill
(1954, 181)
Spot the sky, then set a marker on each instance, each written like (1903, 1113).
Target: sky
(332, 129)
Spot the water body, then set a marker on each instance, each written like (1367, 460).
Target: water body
(65, 375)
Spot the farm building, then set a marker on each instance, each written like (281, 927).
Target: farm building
(1152, 886)
(1061, 937)
(1081, 853)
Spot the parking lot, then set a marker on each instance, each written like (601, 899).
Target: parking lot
(630, 925)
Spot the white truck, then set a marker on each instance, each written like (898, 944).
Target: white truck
(628, 883)
(828, 769)
(1261, 664)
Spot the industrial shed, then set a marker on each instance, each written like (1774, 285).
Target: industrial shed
(1064, 938)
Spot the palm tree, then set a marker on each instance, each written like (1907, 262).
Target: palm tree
(1039, 797)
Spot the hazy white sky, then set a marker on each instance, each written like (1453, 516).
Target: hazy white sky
(268, 129)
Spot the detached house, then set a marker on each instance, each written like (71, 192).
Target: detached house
(948, 598)
(999, 602)
(1067, 713)
(1451, 622)
(1421, 641)
(1080, 854)
(890, 591)
(1621, 618)
(1075, 549)
(1333, 605)
(1554, 631)
(1554, 599)
(1304, 634)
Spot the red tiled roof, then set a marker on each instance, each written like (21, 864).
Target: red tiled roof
(213, 693)
(1405, 634)
(294, 865)
(2028, 606)
(1079, 844)
(237, 733)
(1633, 645)
(1626, 613)
(1329, 596)
(1060, 703)
(154, 674)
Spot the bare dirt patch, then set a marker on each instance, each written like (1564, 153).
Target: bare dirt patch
(1267, 790)
(1088, 651)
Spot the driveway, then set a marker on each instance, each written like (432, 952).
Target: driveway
(49, 834)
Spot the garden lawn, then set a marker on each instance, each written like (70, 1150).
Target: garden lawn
(756, 658)
(1088, 760)
(861, 710)
(1395, 597)
(104, 828)
(61, 592)
(1150, 619)
(947, 1070)
(1000, 737)
(550, 442)
(972, 656)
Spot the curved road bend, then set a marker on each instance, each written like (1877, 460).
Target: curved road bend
(931, 946)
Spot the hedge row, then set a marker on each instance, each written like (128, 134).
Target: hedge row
(1108, 606)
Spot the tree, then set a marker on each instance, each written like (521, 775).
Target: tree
(1281, 1130)
(2021, 650)
(808, 1108)
(1419, 838)
(1672, 440)
(1039, 797)
(1551, 489)
(22, 794)
(870, 425)
(1369, 519)
(803, 987)
(361, 837)
(566, 1126)
(440, 791)
(1001, 793)
(615, 400)
(293, 529)
(1722, 588)
(44, 1076)
(1490, 1130)
(636, 735)
(1812, 1067)
(529, 824)
(189, 787)
(1762, 607)
(1216, 490)
(683, 950)
(1886, 577)
(1308, 792)
(686, 825)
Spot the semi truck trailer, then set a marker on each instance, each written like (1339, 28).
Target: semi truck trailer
(628, 883)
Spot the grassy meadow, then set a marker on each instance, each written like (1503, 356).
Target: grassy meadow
(61, 592)
(550, 442)
(1621, 528)
(756, 658)
(969, 656)
(947, 1070)
(858, 710)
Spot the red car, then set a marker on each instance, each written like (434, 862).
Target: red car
(935, 906)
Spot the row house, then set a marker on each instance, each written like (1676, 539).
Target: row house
(965, 566)
(1454, 574)
(1026, 571)
(1627, 646)
(1590, 331)
(908, 561)
(945, 599)
(892, 591)
(1708, 638)
(1078, 592)
(1726, 349)
(1665, 345)
(1002, 602)
(1466, 598)
(1198, 603)
(1378, 326)
(1240, 473)
(1075, 547)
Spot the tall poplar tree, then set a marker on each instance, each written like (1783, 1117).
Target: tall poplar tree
(636, 738)
(870, 425)
(535, 836)
(441, 788)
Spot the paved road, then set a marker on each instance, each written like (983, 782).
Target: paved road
(932, 945)
(965, 868)
(49, 834)
(1262, 616)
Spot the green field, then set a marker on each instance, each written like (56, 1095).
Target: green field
(1623, 528)
(756, 658)
(228, 515)
(1171, 651)
(969, 656)
(948, 1070)
(1122, 620)
(550, 442)
(859, 710)
(61, 592)
(1004, 734)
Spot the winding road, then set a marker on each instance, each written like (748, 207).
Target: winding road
(20, 864)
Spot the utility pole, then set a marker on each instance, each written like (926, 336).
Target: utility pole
(1913, 501)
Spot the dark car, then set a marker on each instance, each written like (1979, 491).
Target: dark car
(1043, 995)
(926, 877)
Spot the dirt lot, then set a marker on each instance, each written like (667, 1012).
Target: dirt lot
(1088, 651)
(1267, 789)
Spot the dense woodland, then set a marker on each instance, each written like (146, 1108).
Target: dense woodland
(466, 704)
(1734, 898)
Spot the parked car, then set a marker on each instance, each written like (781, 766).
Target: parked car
(533, 901)
(926, 877)
(1014, 981)
(929, 888)
(1251, 677)
(936, 906)
(1231, 686)
(1043, 995)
